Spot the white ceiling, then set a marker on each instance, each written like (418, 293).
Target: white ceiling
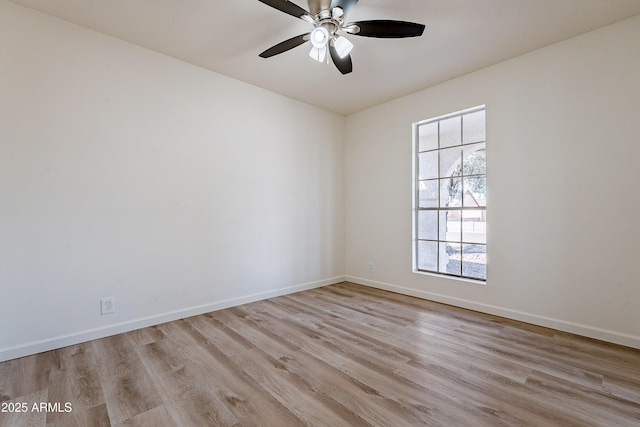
(226, 36)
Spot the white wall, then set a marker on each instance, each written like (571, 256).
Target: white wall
(563, 129)
(129, 174)
(177, 191)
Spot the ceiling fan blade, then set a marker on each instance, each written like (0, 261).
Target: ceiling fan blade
(345, 5)
(344, 65)
(386, 29)
(286, 7)
(285, 45)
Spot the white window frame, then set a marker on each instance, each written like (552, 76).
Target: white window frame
(440, 209)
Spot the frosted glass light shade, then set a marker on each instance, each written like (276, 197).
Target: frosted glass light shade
(343, 46)
(318, 54)
(319, 37)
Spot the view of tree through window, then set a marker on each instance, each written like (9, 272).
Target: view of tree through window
(451, 195)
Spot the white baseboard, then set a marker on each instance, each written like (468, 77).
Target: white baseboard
(92, 334)
(561, 325)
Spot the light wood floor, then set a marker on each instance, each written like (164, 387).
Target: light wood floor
(342, 355)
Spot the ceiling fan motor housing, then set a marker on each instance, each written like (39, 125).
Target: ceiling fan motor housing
(330, 22)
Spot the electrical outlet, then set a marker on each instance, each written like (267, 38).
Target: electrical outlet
(106, 306)
(371, 269)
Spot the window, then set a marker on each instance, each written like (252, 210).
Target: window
(450, 200)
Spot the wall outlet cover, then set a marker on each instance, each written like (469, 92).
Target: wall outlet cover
(106, 306)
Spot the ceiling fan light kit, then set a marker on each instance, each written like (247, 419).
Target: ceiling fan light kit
(329, 21)
(319, 39)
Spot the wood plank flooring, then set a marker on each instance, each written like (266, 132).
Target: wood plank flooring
(343, 355)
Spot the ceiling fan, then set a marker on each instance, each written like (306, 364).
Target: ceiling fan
(329, 19)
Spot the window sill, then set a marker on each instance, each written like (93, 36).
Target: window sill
(445, 276)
